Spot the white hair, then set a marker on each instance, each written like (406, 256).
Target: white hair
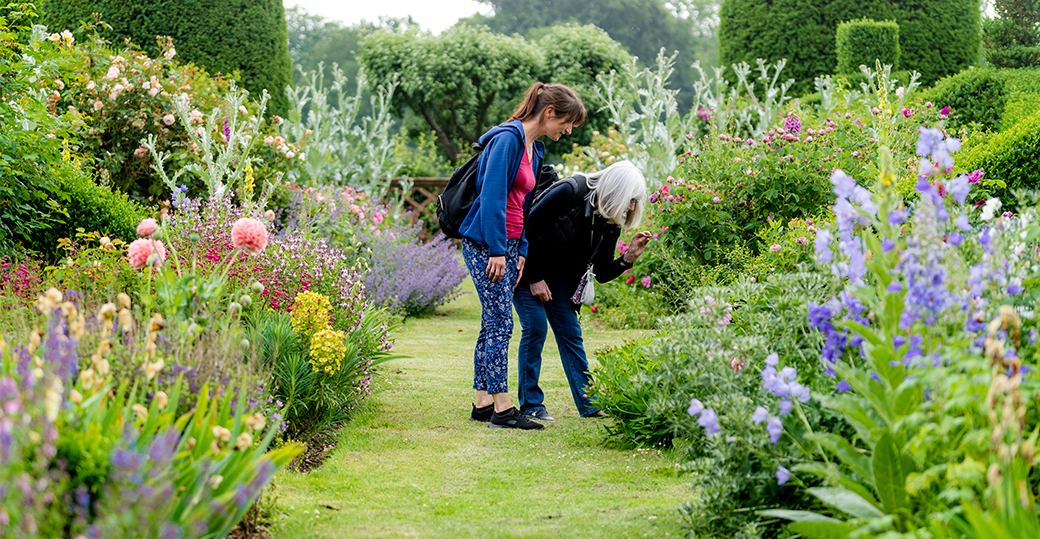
(613, 189)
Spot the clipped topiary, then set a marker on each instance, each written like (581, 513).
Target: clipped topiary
(937, 37)
(864, 42)
(247, 36)
(1011, 156)
(995, 99)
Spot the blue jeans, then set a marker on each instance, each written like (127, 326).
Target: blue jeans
(563, 318)
(491, 354)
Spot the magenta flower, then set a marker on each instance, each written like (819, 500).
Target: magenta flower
(775, 247)
(945, 111)
(645, 281)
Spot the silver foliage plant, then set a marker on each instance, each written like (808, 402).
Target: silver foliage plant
(644, 110)
(219, 161)
(347, 150)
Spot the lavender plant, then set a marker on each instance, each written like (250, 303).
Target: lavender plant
(407, 275)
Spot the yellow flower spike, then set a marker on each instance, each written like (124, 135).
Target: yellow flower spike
(327, 351)
(887, 166)
(310, 313)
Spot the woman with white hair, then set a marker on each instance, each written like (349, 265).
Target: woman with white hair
(573, 227)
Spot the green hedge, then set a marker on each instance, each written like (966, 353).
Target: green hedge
(1011, 156)
(248, 36)
(996, 99)
(93, 208)
(864, 42)
(937, 37)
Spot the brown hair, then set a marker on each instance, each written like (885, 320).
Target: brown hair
(564, 101)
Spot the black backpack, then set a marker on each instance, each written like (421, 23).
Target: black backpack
(454, 203)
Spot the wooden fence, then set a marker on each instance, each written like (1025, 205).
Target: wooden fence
(422, 199)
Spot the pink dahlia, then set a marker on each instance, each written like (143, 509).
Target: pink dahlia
(142, 248)
(249, 235)
(146, 228)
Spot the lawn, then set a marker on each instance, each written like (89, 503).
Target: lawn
(411, 464)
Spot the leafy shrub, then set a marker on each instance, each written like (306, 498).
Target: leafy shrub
(714, 352)
(30, 143)
(866, 41)
(1012, 39)
(202, 31)
(1010, 156)
(625, 303)
(84, 205)
(996, 99)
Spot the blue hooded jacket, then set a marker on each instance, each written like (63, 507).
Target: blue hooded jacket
(503, 150)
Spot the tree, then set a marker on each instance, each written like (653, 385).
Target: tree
(575, 55)
(247, 36)
(460, 82)
(1012, 39)
(937, 37)
(644, 27)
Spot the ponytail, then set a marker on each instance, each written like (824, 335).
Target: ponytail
(564, 101)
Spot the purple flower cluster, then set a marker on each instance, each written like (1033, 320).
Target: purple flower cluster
(848, 216)
(793, 124)
(706, 417)
(409, 276)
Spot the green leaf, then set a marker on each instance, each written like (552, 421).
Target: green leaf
(842, 449)
(847, 502)
(822, 530)
(797, 516)
(889, 478)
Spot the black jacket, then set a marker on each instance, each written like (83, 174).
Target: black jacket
(565, 235)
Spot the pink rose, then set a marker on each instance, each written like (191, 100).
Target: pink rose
(141, 250)
(249, 235)
(802, 240)
(716, 200)
(168, 119)
(645, 281)
(146, 228)
(775, 247)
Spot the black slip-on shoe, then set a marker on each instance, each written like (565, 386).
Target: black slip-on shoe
(513, 419)
(482, 414)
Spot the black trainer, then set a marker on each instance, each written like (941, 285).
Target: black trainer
(513, 419)
(482, 414)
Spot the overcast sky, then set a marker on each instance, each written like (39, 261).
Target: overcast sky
(435, 15)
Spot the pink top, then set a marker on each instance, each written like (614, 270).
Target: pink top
(522, 185)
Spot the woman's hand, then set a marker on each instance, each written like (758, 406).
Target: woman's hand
(496, 268)
(519, 269)
(635, 248)
(540, 290)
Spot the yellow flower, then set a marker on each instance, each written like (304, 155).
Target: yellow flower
(327, 351)
(310, 313)
(247, 183)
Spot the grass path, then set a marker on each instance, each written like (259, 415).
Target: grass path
(411, 464)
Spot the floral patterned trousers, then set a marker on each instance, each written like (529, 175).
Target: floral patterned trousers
(491, 355)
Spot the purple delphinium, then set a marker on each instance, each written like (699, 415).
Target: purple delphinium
(710, 421)
(775, 428)
(783, 475)
(760, 415)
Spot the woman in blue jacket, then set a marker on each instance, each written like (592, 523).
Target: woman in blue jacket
(494, 245)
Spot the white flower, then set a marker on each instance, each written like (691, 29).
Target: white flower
(899, 92)
(991, 207)
(91, 85)
(170, 53)
(113, 73)
(168, 119)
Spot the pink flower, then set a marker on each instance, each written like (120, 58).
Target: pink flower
(168, 119)
(716, 200)
(775, 247)
(945, 111)
(929, 104)
(645, 281)
(975, 176)
(630, 280)
(141, 152)
(874, 110)
(113, 73)
(269, 215)
(736, 364)
(249, 235)
(146, 228)
(802, 240)
(141, 250)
